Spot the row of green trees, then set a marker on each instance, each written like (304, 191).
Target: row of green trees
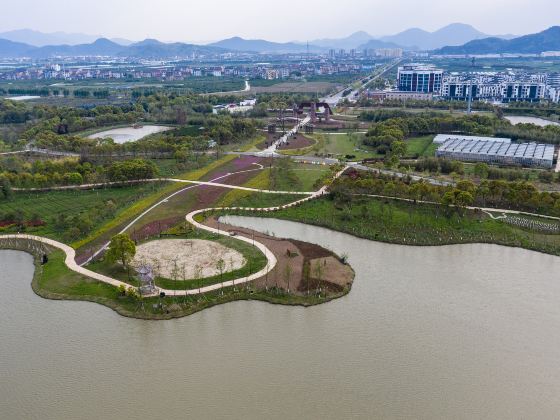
(15, 172)
(401, 124)
(518, 195)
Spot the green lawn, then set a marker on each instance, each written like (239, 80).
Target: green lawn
(302, 177)
(420, 146)
(340, 145)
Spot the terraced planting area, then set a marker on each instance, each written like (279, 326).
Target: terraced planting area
(47, 207)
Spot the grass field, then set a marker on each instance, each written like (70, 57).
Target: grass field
(240, 198)
(420, 146)
(295, 87)
(306, 175)
(341, 145)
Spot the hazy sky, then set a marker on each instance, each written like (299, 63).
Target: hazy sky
(283, 20)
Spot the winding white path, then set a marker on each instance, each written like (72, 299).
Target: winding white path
(70, 259)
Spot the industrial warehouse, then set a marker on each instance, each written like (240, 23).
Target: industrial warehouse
(500, 151)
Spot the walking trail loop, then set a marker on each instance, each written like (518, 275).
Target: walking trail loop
(70, 260)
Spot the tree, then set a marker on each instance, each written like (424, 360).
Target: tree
(121, 249)
(6, 189)
(288, 275)
(481, 170)
(221, 266)
(463, 199)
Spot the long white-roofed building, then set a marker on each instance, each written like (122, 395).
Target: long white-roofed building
(506, 153)
(442, 138)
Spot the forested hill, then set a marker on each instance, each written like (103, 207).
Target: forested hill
(548, 40)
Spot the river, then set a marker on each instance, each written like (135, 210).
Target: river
(469, 331)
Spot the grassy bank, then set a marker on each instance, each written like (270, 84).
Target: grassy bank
(414, 224)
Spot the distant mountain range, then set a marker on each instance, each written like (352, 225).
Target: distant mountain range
(42, 39)
(103, 47)
(352, 41)
(453, 39)
(548, 40)
(454, 34)
(263, 46)
(411, 39)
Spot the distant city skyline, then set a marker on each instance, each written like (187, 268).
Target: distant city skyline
(202, 22)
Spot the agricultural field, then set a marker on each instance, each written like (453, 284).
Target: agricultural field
(42, 211)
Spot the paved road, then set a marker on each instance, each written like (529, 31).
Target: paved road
(29, 149)
(271, 151)
(334, 99)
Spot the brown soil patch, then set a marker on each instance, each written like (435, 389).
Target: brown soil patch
(332, 271)
(291, 256)
(299, 142)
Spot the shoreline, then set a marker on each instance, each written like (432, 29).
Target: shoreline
(126, 307)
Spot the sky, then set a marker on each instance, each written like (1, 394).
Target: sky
(283, 20)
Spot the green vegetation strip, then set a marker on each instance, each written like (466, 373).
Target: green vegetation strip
(414, 224)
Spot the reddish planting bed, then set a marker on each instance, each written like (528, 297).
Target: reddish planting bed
(31, 223)
(299, 142)
(241, 163)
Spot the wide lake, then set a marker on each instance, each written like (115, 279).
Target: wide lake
(470, 331)
(127, 134)
(541, 122)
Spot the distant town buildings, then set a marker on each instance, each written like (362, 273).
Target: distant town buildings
(165, 72)
(502, 87)
(415, 81)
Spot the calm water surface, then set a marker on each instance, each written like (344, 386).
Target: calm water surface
(128, 134)
(434, 333)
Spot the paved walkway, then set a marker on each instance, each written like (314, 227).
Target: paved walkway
(271, 259)
(70, 260)
(486, 210)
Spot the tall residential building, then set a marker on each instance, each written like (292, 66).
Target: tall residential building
(389, 52)
(418, 78)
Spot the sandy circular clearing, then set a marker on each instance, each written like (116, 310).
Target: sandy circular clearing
(187, 255)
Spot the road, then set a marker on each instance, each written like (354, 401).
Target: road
(271, 151)
(336, 98)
